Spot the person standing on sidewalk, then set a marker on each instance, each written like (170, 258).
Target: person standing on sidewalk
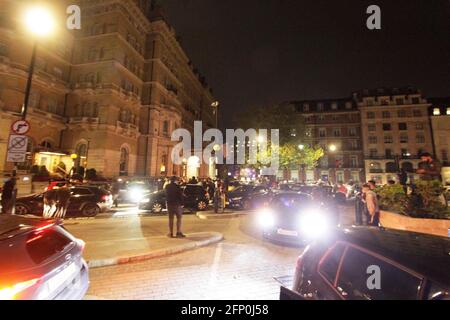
(7, 195)
(174, 196)
(371, 202)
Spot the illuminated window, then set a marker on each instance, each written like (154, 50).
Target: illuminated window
(437, 112)
(448, 111)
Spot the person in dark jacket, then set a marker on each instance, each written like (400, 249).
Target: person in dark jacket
(7, 195)
(174, 196)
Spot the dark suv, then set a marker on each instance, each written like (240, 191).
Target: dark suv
(372, 264)
(40, 260)
(195, 198)
(87, 201)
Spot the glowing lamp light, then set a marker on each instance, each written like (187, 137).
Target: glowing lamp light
(74, 156)
(333, 148)
(39, 21)
(301, 147)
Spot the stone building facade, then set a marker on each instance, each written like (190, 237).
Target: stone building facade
(440, 124)
(395, 130)
(111, 93)
(333, 124)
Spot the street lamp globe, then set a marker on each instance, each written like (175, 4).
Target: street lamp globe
(39, 21)
(261, 139)
(301, 147)
(333, 148)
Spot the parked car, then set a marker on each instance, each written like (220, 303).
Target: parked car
(87, 201)
(366, 263)
(132, 192)
(247, 197)
(195, 198)
(293, 217)
(40, 260)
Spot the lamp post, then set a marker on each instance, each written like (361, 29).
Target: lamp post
(40, 23)
(216, 105)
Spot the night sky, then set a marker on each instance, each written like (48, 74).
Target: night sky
(259, 52)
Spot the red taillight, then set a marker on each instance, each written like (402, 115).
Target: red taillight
(106, 197)
(11, 292)
(44, 227)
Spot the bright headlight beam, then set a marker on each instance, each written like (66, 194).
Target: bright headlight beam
(266, 219)
(313, 224)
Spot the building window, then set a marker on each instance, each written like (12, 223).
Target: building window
(46, 144)
(353, 144)
(444, 155)
(402, 126)
(387, 127)
(35, 98)
(417, 113)
(403, 138)
(436, 112)
(420, 138)
(401, 113)
(388, 139)
(123, 164)
(399, 101)
(386, 114)
(352, 132)
(337, 132)
(419, 126)
(388, 153)
(52, 105)
(373, 140)
(166, 127)
(405, 153)
(306, 107)
(322, 132)
(372, 127)
(416, 100)
(348, 105)
(373, 153)
(354, 161)
(384, 101)
(448, 111)
(370, 115)
(334, 106)
(320, 106)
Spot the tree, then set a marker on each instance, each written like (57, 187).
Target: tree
(291, 128)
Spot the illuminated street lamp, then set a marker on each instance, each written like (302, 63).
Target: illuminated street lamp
(301, 147)
(261, 139)
(215, 106)
(332, 148)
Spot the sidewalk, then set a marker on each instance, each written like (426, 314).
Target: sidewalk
(118, 241)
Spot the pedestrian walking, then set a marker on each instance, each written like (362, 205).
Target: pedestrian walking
(174, 196)
(8, 193)
(371, 204)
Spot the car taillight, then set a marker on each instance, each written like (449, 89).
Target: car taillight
(106, 197)
(10, 293)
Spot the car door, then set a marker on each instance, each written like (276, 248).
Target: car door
(365, 275)
(259, 195)
(79, 197)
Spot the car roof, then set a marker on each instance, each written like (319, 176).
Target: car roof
(426, 254)
(10, 223)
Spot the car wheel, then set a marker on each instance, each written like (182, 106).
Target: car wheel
(90, 210)
(202, 205)
(22, 210)
(157, 207)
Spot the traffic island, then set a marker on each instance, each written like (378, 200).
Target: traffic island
(115, 252)
(226, 215)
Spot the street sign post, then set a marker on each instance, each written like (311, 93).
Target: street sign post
(20, 127)
(17, 148)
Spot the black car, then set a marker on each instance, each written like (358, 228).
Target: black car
(293, 217)
(364, 263)
(195, 198)
(40, 260)
(87, 201)
(247, 197)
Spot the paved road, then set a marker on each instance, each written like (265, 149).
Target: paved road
(240, 267)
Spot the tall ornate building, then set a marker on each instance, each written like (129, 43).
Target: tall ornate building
(333, 124)
(440, 124)
(111, 93)
(395, 130)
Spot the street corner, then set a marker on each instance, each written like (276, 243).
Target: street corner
(226, 215)
(163, 246)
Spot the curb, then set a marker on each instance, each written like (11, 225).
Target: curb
(216, 237)
(206, 216)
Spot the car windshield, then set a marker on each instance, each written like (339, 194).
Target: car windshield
(290, 202)
(246, 188)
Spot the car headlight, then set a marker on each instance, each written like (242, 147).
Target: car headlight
(314, 223)
(266, 218)
(136, 194)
